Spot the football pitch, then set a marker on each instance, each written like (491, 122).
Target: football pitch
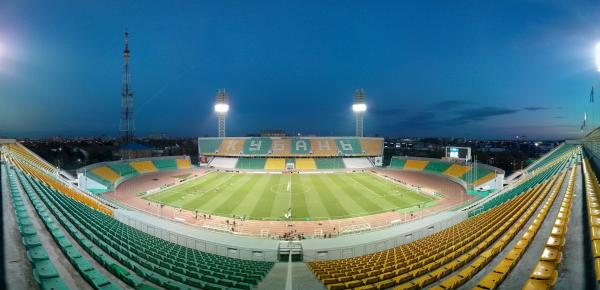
(310, 196)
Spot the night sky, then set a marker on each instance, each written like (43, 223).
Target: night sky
(475, 69)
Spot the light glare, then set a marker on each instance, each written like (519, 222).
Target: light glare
(359, 107)
(598, 56)
(221, 108)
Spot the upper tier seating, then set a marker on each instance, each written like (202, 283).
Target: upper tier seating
(301, 146)
(143, 166)
(281, 147)
(209, 146)
(324, 147)
(290, 146)
(349, 146)
(551, 157)
(224, 163)
(257, 146)
(305, 164)
(372, 146)
(275, 164)
(232, 146)
(330, 163)
(251, 163)
(357, 163)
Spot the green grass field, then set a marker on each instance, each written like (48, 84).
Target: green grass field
(312, 196)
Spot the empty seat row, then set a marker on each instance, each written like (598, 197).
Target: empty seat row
(93, 276)
(44, 272)
(422, 262)
(164, 263)
(545, 273)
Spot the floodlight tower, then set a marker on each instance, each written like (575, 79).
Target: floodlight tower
(127, 125)
(221, 108)
(359, 107)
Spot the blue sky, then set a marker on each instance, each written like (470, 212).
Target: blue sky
(476, 69)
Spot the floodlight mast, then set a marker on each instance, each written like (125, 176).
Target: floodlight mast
(359, 107)
(221, 108)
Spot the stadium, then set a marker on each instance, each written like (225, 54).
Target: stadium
(324, 204)
(481, 180)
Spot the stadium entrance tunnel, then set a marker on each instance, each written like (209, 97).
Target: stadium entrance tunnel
(290, 248)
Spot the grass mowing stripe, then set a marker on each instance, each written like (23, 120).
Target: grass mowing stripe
(205, 198)
(299, 209)
(376, 191)
(174, 194)
(314, 205)
(265, 199)
(330, 201)
(235, 196)
(360, 199)
(250, 200)
(396, 200)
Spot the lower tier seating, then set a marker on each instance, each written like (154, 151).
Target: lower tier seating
(251, 163)
(224, 163)
(305, 164)
(357, 163)
(329, 163)
(275, 164)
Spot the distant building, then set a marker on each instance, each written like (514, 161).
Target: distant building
(273, 133)
(131, 151)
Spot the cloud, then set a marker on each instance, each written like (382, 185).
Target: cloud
(536, 108)
(482, 113)
(387, 111)
(449, 104)
(430, 120)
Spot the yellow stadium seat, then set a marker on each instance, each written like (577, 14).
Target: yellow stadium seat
(305, 164)
(106, 173)
(184, 163)
(231, 146)
(416, 164)
(372, 146)
(323, 147)
(484, 179)
(275, 164)
(456, 170)
(143, 166)
(281, 147)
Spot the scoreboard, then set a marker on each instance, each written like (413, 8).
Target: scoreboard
(463, 153)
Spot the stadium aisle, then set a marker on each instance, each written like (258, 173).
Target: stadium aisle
(302, 278)
(575, 250)
(516, 279)
(63, 266)
(16, 264)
